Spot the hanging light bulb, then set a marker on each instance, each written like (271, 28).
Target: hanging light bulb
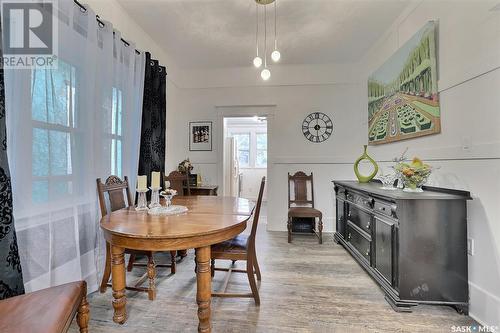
(257, 61)
(276, 55)
(265, 74)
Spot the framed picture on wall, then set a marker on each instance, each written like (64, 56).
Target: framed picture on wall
(200, 136)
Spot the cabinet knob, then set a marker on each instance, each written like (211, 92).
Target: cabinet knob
(367, 253)
(349, 236)
(368, 225)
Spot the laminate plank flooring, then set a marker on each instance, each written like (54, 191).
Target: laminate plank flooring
(306, 287)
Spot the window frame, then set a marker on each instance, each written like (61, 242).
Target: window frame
(232, 134)
(252, 132)
(72, 129)
(257, 149)
(116, 136)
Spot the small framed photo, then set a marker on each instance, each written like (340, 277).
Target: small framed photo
(200, 136)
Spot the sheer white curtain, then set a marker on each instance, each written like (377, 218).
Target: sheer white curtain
(66, 127)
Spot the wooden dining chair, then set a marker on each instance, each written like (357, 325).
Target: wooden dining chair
(241, 247)
(47, 310)
(115, 188)
(300, 206)
(179, 181)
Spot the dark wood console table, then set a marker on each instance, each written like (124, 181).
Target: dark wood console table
(202, 189)
(414, 245)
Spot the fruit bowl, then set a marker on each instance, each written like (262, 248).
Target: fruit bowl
(413, 174)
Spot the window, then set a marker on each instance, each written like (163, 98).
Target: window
(261, 150)
(252, 147)
(243, 146)
(116, 133)
(54, 124)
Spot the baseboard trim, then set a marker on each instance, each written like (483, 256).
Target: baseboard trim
(484, 306)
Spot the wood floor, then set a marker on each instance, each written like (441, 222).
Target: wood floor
(306, 287)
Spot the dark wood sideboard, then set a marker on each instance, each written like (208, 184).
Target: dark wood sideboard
(414, 245)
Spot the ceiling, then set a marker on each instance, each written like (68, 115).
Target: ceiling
(221, 33)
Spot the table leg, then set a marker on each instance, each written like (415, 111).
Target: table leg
(118, 283)
(204, 291)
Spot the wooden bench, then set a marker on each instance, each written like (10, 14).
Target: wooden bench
(49, 310)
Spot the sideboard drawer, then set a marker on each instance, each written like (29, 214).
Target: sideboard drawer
(359, 199)
(360, 243)
(385, 208)
(360, 218)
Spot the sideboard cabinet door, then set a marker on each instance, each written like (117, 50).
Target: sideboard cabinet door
(341, 223)
(385, 234)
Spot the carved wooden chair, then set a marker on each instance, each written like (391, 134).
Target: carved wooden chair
(115, 187)
(241, 247)
(179, 181)
(300, 206)
(46, 310)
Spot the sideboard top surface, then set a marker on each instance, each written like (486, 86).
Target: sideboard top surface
(430, 193)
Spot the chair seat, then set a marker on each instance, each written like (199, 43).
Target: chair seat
(43, 311)
(237, 244)
(304, 212)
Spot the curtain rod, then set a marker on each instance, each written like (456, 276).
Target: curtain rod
(101, 23)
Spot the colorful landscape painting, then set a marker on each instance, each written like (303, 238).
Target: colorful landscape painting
(403, 101)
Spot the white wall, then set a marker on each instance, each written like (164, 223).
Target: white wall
(468, 149)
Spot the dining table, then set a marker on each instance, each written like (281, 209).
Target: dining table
(208, 220)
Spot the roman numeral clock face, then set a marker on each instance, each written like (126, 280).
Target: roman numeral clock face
(317, 127)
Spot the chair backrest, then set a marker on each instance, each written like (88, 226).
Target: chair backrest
(300, 198)
(177, 181)
(256, 214)
(115, 187)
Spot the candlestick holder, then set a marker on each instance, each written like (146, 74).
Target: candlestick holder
(155, 197)
(141, 200)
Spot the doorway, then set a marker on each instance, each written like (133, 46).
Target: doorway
(245, 155)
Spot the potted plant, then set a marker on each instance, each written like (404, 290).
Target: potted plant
(185, 166)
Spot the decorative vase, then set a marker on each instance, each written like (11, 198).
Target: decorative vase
(365, 156)
(387, 181)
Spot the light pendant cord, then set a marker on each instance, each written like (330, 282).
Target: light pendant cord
(275, 39)
(265, 37)
(257, 28)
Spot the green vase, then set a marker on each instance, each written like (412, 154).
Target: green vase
(365, 156)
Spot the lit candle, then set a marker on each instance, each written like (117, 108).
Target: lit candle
(155, 179)
(142, 183)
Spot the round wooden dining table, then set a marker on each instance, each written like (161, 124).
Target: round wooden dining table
(209, 220)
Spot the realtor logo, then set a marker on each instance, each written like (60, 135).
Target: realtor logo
(30, 34)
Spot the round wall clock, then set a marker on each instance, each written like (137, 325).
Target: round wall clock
(317, 127)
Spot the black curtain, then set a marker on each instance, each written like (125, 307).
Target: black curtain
(154, 112)
(11, 277)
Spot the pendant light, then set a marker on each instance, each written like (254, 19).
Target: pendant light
(257, 61)
(276, 55)
(266, 73)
